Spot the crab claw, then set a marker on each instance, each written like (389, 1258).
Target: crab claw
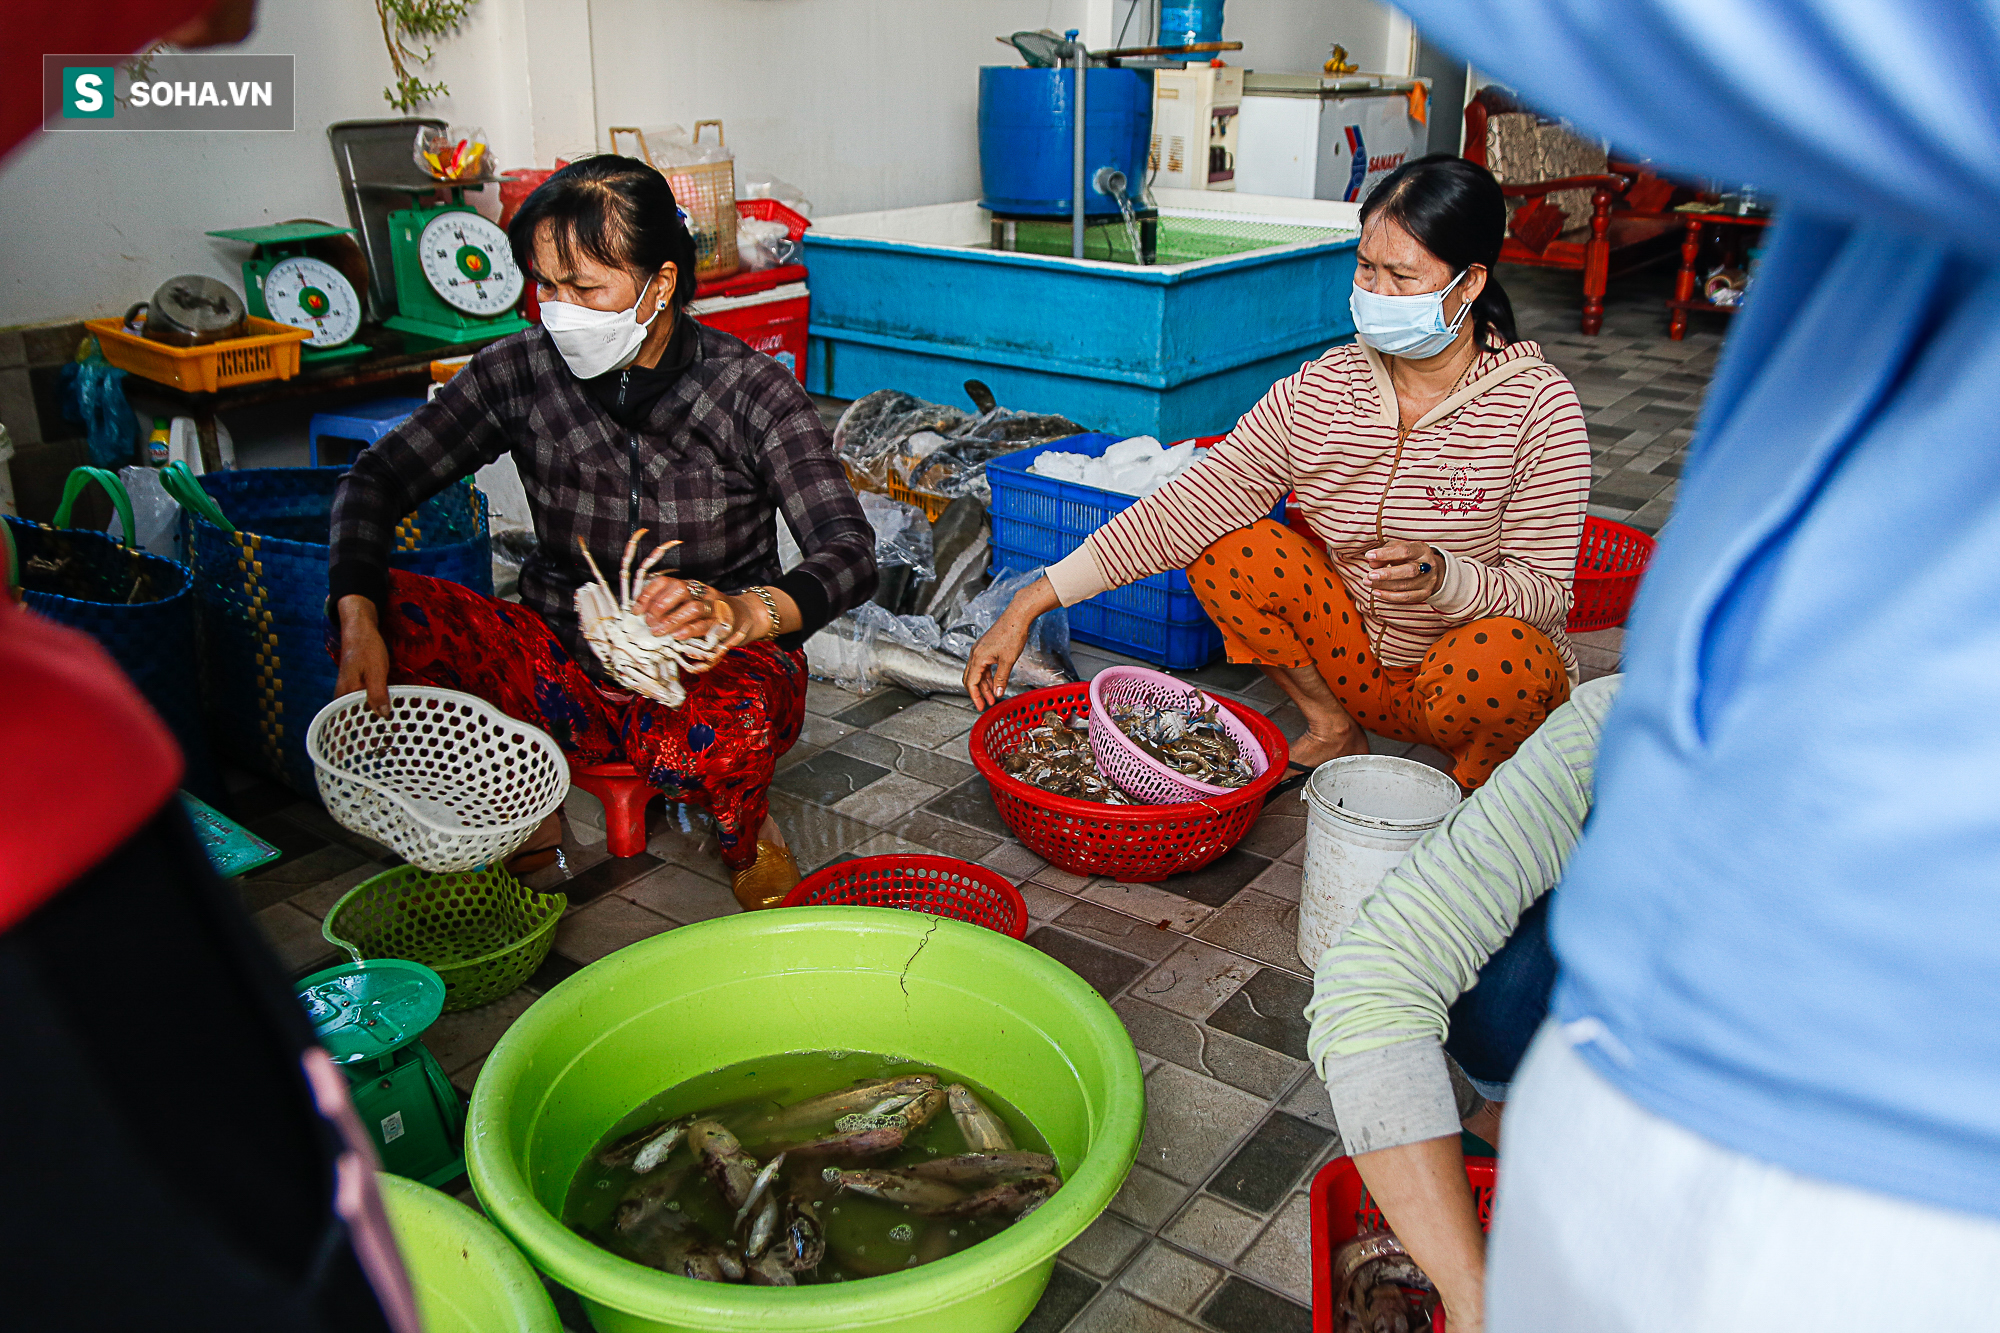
(625, 569)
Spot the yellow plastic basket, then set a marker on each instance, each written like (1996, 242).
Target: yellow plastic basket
(270, 353)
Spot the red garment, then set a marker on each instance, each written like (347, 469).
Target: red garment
(82, 27)
(84, 762)
(717, 750)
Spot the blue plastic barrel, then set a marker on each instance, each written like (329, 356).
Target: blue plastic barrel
(1027, 137)
(1189, 21)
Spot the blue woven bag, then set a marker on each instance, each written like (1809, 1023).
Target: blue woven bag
(262, 591)
(138, 606)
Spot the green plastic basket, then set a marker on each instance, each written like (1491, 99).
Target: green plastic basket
(483, 931)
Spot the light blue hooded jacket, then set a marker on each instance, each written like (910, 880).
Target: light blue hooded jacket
(1784, 917)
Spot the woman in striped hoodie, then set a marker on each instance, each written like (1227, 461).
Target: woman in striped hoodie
(1440, 459)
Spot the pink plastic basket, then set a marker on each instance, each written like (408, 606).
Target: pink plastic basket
(1137, 774)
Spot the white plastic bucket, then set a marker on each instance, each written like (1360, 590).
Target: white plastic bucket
(1365, 812)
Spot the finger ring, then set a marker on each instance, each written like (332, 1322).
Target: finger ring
(1423, 567)
(697, 589)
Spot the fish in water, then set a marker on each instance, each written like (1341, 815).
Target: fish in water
(984, 1132)
(1056, 756)
(787, 1190)
(1191, 740)
(984, 1167)
(1373, 1277)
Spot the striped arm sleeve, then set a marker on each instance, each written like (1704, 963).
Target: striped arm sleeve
(1540, 528)
(1234, 486)
(1381, 993)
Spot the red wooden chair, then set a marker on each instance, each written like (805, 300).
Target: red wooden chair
(1627, 218)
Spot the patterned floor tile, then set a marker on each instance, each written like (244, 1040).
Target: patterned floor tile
(611, 873)
(465, 1036)
(1309, 1102)
(1011, 859)
(1119, 1311)
(604, 928)
(1218, 881)
(1148, 1197)
(1195, 979)
(1146, 939)
(882, 803)
(1192, 1122)
(1241, 1306)
(295, 938)
(828, 777)
(816, 834)
(681, 895)
(1065, 1296)
(1267, 1168)
(971, 803)
(928, 724)
(1104, 1246)
(296, 874)
(1282, 1256)
(876, 706)
(1170, 1278)
(1260, 927)
(1281, 881)
(1241, 1064)
(1105, 969)
(318, 900)
(1269, 1009)
(1211, 1227)
(1169, 912)
(945, 836)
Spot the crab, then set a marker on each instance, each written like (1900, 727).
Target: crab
(640, 660)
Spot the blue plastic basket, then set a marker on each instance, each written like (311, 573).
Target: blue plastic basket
(262, 592)
(1038, 521)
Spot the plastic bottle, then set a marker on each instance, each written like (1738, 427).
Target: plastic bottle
(157, 444)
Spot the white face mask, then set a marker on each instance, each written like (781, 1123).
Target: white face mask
(1411, 326)
(593, 342)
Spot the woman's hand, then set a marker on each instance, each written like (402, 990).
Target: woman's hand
(364, 657)
(1405, 572)
(687, 609)
(993, 657)
(684, 608)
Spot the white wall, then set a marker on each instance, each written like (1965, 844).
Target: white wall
(92, 223)
(863, 104)
(1290, 36)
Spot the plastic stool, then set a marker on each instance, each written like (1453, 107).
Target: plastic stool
(363, 423)
(624, 794)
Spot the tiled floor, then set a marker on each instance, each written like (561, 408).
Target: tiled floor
(1211, 1229)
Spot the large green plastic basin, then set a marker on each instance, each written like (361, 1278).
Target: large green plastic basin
(840, 978)
(466, 1277)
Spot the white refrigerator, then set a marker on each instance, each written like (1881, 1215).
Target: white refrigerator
(1312, 136)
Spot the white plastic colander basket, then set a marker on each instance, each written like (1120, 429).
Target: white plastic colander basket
(447, 781)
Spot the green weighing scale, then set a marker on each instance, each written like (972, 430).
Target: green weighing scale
(283, 281)
(368, 1016)
(456, 281)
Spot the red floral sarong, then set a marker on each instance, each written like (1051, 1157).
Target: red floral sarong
(716, 751)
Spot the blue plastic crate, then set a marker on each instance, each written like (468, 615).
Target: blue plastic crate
(1038, 521)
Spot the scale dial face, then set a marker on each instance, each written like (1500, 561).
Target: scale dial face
(467, 262)
(313, 294)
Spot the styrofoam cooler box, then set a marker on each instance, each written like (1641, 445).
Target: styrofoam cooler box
(1039, 520)
(770, 310)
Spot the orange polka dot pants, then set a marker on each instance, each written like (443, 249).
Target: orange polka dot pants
(1480, 691)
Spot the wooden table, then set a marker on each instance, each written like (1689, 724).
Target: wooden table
(1684, 285)
(387, 365)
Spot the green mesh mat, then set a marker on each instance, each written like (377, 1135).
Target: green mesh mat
(1182, 239)
(483, 931)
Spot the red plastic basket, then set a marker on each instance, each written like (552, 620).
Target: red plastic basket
(1134, 843)
(1341, 1210)
(940, 885)
(770, 210)
(1609, 564)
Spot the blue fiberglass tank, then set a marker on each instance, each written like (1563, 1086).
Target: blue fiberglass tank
(1027, 137)
(1190, 21)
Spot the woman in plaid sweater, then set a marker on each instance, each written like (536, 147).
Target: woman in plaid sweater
(621, 413)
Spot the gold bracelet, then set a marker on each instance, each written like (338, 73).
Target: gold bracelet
(770, 604)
